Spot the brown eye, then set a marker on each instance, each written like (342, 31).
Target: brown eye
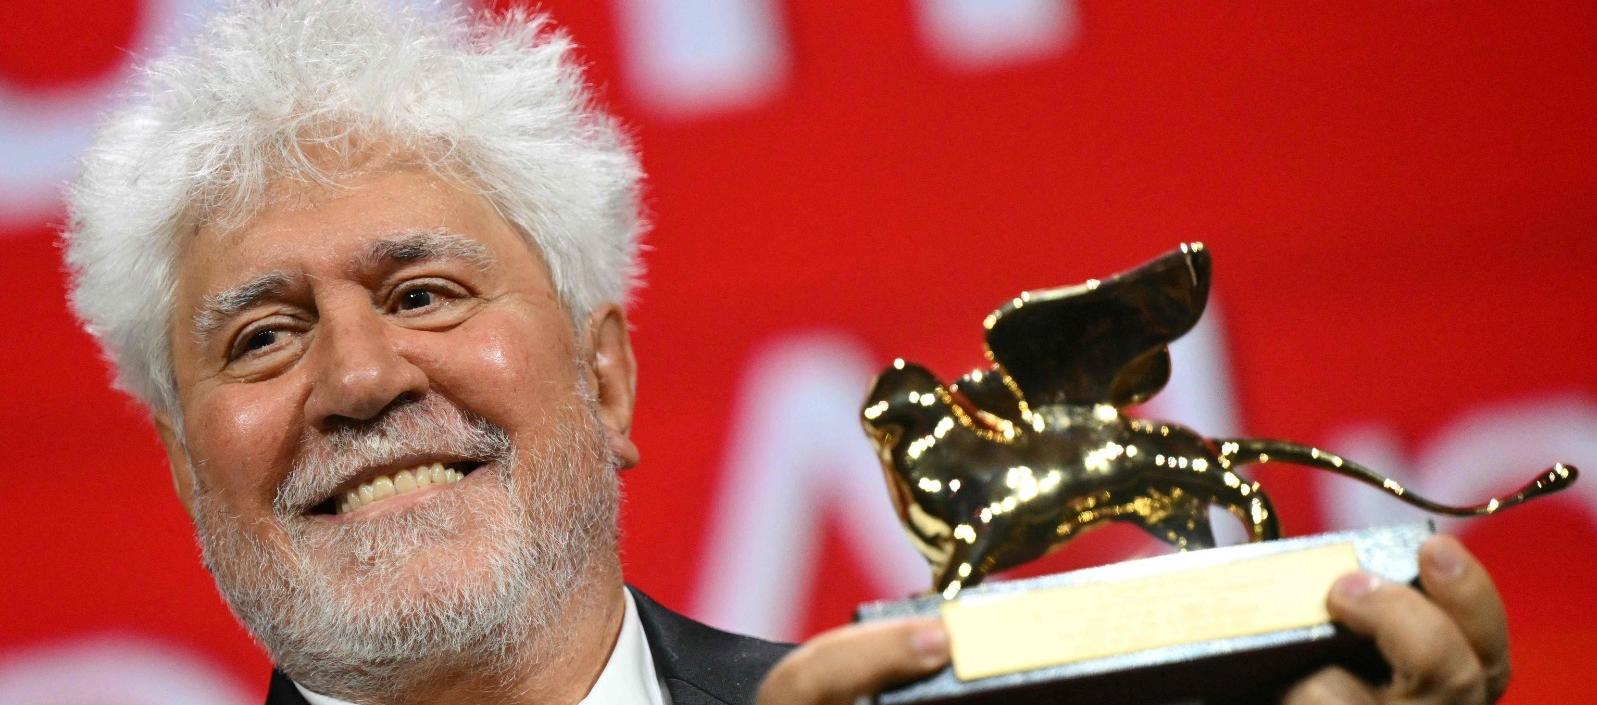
(256, 341)
(417, 298)
(261, 339)
(428, 301)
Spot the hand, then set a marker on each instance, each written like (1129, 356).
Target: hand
(1449, 645)
(839, 666)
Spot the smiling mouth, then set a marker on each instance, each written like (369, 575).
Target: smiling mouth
(381, 488)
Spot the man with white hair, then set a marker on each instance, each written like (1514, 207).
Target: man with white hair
(367, 269)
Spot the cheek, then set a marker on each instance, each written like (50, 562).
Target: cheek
(504, 367)
(242, 439)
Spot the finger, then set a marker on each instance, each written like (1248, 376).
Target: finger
(1431, 660)
(1331, 686)
(848, 662)
(1457, 583)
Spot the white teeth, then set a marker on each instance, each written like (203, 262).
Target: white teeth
(382, 488)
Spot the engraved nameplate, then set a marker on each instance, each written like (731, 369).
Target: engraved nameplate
(1007, 633)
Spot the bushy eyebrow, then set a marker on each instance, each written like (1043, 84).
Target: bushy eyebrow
(428, 245)
(216, 308)
(403, 248)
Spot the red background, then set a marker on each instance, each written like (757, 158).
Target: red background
(1398, 196)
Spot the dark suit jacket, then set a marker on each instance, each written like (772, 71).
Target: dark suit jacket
(700, 665)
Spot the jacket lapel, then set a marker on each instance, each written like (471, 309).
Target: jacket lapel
(701, 665)
(281, 691)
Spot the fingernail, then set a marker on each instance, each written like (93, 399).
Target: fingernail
(1355, 586)
(1444, 559)
(931, 643)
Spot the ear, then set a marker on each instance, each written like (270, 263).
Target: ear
(177, 459)
(613, 377)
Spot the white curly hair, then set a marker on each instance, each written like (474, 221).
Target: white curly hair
(495, 100)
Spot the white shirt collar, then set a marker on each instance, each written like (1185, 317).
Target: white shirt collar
(628, 677)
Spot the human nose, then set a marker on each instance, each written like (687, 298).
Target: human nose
(360, 370)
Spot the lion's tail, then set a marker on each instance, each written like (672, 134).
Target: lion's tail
(1253, 450)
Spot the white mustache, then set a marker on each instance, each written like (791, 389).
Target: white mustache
(431, 425)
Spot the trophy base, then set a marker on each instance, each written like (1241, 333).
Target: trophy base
(1237, 624)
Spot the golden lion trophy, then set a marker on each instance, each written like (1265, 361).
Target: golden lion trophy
(1010, 462)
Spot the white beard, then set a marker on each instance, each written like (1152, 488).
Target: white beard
(464, 579)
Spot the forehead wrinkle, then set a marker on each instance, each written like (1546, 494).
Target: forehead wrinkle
(435, 244)
(215, 309)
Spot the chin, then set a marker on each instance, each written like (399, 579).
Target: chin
(375, 603)
(446, 536)
(383, 595)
